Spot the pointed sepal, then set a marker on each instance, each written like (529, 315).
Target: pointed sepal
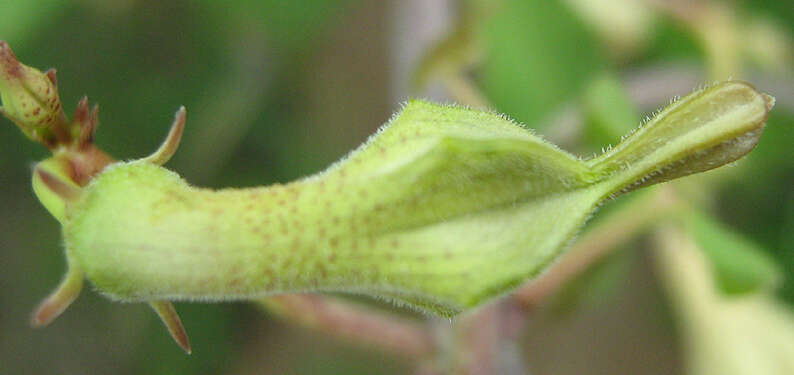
(171, 143)
(64, 189)
(167, 313)
(60, 299)
(85, 123)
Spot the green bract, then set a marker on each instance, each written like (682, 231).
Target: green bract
(442, 209)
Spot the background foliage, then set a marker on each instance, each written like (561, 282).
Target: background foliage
(277, 90)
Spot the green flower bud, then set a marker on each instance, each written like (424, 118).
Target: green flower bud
(30, 97)
(443, 209)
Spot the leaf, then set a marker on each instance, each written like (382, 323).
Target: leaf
(290, 24)
(453, 54)
(608, 109)
(748, 334)
(537, 55)
(18, 18)
(596, 285)
(740, 266)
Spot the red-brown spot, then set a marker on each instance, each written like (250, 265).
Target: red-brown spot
(334, 241)
(322, 271)
(235, 282)
(203, 283)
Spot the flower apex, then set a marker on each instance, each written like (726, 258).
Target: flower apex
(30, 98)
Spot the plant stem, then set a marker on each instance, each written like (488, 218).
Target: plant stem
(354, 323)
(488, 340)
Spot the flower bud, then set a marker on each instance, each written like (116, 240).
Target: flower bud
(30, 97)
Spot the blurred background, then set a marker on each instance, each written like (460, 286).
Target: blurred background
(276, 90)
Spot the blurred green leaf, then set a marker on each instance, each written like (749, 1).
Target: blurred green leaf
(291, 24)
(19, 17)
(740, 266)
(671, 43)
(786, 242)
(594, 286)
(754, 199)
(609, 111)
(450, 56)
(751, 334)
(537, 56)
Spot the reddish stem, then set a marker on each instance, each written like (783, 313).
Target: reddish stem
(355, 323)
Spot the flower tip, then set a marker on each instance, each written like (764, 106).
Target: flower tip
(769, 100)
(30, 99)
(11, 67)
(52, 75)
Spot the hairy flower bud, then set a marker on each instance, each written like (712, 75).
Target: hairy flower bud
(443, 209)
(30, 97)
